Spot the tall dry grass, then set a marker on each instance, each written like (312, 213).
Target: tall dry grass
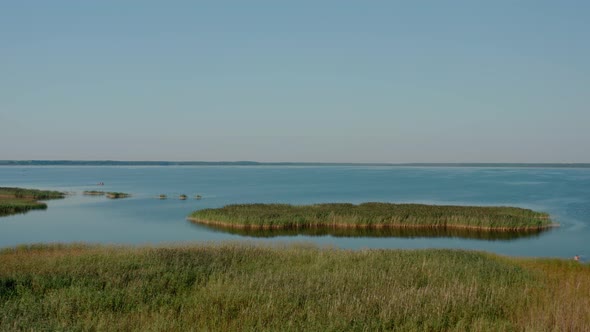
(243, 287)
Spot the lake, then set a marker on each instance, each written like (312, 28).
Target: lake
(144, 219)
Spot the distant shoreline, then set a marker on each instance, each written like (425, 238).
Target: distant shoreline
(255, 163)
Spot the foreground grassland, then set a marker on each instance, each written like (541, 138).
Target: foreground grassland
(241, 287)
(18, 200)
(372, 215)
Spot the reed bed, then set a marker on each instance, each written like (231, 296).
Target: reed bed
(19, 200)
(35, 194)
(242, 287)
(15, 206)
(372, 215)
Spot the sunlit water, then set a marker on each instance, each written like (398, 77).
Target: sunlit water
(144, 219)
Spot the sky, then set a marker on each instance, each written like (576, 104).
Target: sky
(300, 81)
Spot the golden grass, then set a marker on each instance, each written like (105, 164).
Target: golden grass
(563, 301)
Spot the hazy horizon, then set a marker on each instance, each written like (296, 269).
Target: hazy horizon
(308, 81)
(66, 162)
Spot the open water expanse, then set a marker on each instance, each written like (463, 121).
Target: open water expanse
(144, 219)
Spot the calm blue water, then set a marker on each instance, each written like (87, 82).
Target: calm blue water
(143, 219)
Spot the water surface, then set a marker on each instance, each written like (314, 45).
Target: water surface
(144, 219)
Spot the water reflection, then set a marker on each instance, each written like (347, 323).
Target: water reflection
(379, 232)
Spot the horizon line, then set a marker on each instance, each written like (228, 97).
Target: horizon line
(109, 162)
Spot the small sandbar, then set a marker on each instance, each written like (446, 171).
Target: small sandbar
(117, 195)
(94, 193)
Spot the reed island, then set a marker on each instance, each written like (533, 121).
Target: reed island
(19, 200)
(373, 215)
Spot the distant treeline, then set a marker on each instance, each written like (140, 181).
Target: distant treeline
(255, 163)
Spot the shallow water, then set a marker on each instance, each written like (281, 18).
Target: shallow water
(144, 219)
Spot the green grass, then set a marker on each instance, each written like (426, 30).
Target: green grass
(30, 193)
(240, 287)
(15, 206)
(372, 215)
(19, 200)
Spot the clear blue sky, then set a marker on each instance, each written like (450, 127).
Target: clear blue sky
(331, 81)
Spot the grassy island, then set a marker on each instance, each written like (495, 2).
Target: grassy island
(116, 195)
(19, 200)
(295, 288)
(372, 215)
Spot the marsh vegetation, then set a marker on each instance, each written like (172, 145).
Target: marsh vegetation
(19, 200)
(242, 287)
(30, 193)
(372, 215)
